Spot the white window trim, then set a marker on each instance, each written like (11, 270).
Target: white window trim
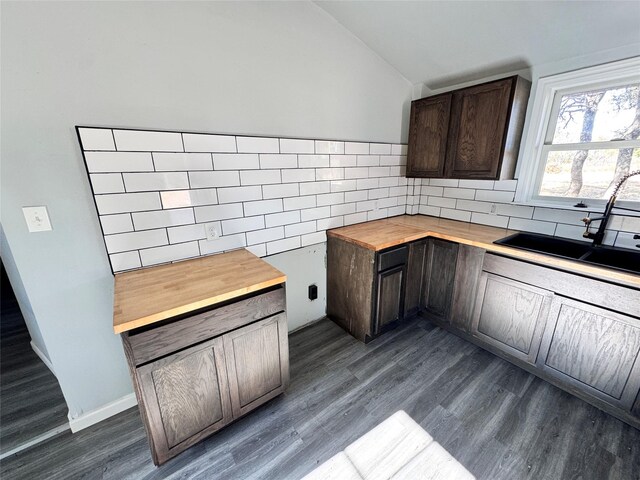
(545, 103)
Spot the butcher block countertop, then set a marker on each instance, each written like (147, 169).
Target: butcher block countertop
(381, 234)
(150, 295)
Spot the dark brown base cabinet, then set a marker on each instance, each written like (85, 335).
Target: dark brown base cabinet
(578, 333)
(195, 374)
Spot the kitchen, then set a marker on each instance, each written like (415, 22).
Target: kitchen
(283, 142)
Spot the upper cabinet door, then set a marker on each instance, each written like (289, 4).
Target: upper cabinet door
(428, 136)
(479, 119)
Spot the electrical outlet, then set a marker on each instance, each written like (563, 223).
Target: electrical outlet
(37, 219)
(211, 231)
(494, 209)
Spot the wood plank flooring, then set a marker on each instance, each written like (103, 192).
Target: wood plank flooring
(497, 420)
(31, 402)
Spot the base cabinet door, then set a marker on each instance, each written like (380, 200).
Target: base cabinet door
(413, 284)
(257, 360)
(593, 349)
(186, 397)
(389, 304)
(511, 315)
(439, 276)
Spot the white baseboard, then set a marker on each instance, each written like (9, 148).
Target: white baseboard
(91, 418)
(42, 356)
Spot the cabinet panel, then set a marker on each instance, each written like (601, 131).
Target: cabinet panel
(593, 347)
(429, 125)
(440, 270)
(389, 297)
(413, 283)
(185, 396)
(511, 315)
(256, 362)
(468, 270)
(478, 128)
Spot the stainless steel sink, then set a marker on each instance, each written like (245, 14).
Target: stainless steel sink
(611, 257)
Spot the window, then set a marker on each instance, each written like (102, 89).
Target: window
(584, 136)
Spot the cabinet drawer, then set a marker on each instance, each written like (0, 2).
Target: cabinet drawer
(392, 258)
(165, 339)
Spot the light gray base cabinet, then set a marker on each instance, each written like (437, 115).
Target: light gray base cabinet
(236, 358)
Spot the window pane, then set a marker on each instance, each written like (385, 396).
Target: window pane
(597, 115)
(597, 170)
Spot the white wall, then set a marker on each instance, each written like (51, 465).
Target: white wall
(282, 69)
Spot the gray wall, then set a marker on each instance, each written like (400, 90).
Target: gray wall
(282, 69)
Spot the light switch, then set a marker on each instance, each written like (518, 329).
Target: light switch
(37, 219)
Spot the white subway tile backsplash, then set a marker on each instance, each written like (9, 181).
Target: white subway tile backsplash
(260, 177)
(398, 149)
(189, 198)
(122, 242)
(433, 191)
(389, 182)
(356, 172)
(380, 149)
(494, 196)
(377, 214)
(392, 160)
(223, 244)
(313, 238)
(259, 250)
(119, 223)
(125, 261)
(441, 202)
(329, 173)
(455, 214)
(492, 220)
(194, 142)
(510, 210)
(315, 213)
(278, 161)
(379, 171)
(212, 213)
(313, 161)
(429, 210)
(355, 218)
(509, 185)
(473, 205)
(245, 224)
(343, 185)
(443, 182)
(239, 194)
(236, 161)
(283, 245)
(169, 253)
(162, 218)
(188, 233)
(397, 191)
(97, 139)
(127, 202)
(298, 203)
(324, 146)
(106, 183)
(464, 193)
(342, 160)
(366, 205)
(561, 216)
(147, 141)
(478, 184)
(262, 207)
(535, 226)
(343, 209)
(299, 175)
(330, 199)
(285, 218)
(367, 183)
(314, 188)
(117, 162)
(358, 148)
(282, 190)
(296, 229)
(388, 202)
(257, 145)
(625, 240)
(625, 224)
(266, 235)
(331, 222)
(376, 193)
(356, 196)
(214, 179)
(368, 160)
(182, 161)
(149, 182)
(294, 145)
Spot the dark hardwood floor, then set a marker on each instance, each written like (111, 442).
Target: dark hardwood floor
(31, 402)
(497, 420)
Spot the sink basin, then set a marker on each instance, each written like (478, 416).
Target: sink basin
(560, 247)
(617, 258)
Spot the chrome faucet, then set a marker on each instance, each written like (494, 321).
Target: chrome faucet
(604, 219)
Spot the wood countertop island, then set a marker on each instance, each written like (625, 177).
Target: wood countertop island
(389, 232)
(146, 296)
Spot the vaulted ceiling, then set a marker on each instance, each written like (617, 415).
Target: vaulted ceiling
(442, 43)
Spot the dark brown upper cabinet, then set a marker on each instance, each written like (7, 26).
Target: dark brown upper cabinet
(472, 132)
